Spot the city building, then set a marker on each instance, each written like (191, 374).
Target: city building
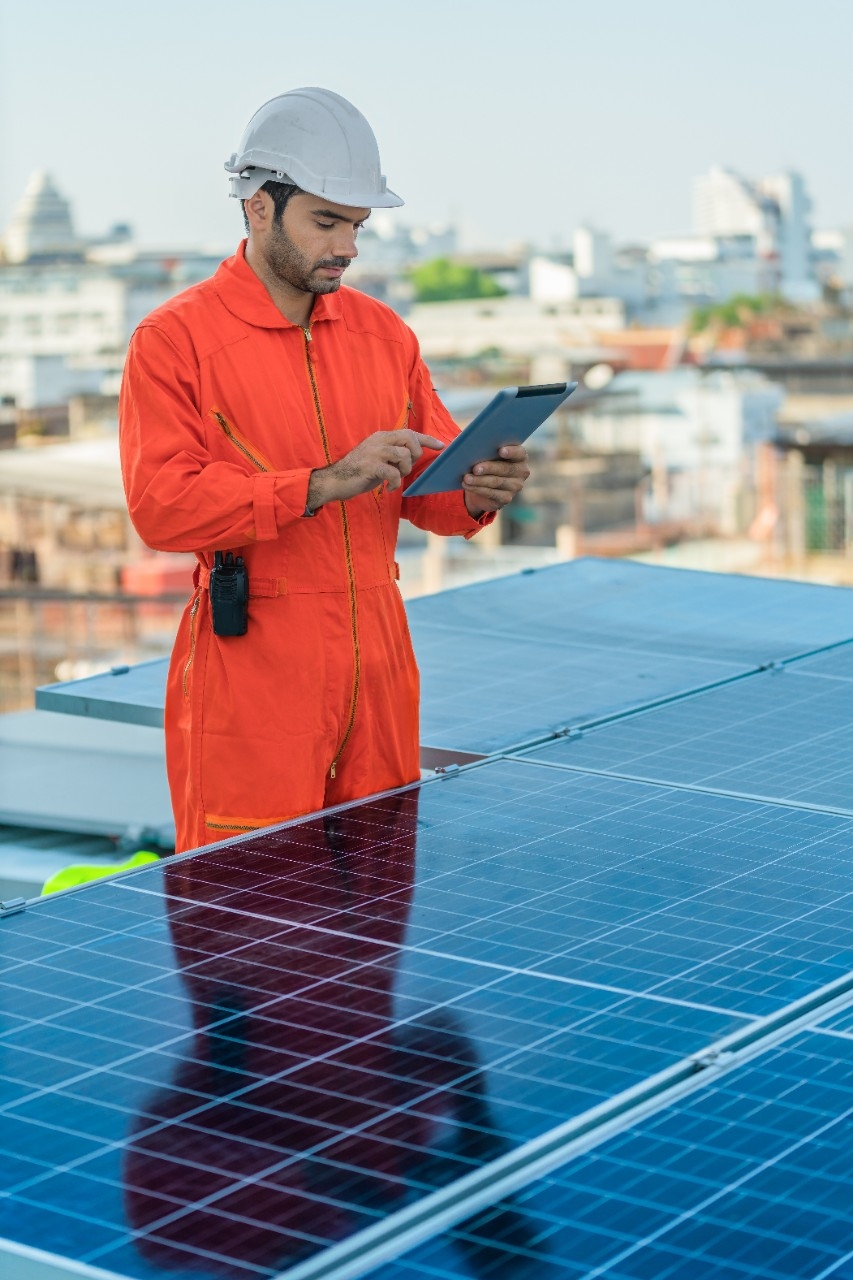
(68, 305)
(771, 214)
(696, 432)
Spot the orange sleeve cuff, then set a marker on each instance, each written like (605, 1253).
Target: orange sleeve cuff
(488, 517)
(279, 499)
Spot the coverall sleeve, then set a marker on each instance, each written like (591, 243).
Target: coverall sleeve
(436, 512)
(179, 497)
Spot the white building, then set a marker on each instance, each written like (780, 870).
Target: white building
(595, 271)
(704, 269)
(522, 327)
(725, 204)
(593, 254)
(750, 238)
(42, 226)
(694, 430)
(772, 214)
(68, 307)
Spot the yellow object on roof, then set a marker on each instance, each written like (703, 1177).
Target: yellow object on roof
(70, 877)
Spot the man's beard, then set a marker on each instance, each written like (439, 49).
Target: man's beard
(292, 267)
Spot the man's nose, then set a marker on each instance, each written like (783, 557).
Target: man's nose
(345, 246)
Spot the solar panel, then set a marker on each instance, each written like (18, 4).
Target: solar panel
(835, 663)
(133, 695)
(623, 606)
(226, 1063)
(748, 1177)
(505, 661)
(485, 691)
(779, 735)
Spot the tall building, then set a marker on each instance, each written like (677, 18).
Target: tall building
(41, 226)
(68, 305)
(593, 255)
(771, 215)
(793, 232)
(725, 204)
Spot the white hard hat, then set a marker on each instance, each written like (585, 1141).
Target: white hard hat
(317, 140)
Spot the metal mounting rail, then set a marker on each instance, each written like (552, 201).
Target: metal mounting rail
(619, 776)
(443, 1209)
(578, 727)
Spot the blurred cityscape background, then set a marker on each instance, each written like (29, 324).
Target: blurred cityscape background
(713, 426)
(649, 201)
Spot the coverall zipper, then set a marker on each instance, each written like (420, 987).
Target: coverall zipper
(189, 661)
(239, 443)
(356, 677)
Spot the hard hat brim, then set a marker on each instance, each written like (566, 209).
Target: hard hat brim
(244, 185)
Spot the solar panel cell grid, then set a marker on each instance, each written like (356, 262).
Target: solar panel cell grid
(627, 607)
(484, 691)
(781, 734)
(220, 1066)
(350, 1012)
(834, 664)
(747, 1177)
(614, 883)
(597, 638)
(217, 1044)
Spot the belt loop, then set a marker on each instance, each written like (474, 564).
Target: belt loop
(258, 587)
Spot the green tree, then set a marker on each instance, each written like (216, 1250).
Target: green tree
(443, 280)
(736, 312)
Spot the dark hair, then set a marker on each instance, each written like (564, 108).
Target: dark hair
(281, 193)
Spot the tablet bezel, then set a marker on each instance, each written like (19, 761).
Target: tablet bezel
(485, 435)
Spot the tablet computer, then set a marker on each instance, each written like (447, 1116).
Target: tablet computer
(512, 416)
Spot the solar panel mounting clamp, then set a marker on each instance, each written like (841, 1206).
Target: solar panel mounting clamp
(12, 907)
(714, 1058)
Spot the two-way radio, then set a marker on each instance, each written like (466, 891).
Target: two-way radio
(229, 595)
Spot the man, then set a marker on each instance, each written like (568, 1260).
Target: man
(269, 414)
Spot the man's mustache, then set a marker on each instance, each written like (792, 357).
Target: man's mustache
(333, 262)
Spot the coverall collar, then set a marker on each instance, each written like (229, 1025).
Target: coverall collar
(246, 297)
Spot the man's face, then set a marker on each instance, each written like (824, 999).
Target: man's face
(313, 244)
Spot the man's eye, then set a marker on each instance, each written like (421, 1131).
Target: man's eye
(325, 226)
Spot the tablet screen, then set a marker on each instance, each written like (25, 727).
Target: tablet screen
(512, 416)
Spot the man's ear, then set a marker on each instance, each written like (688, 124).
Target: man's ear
(259, 209)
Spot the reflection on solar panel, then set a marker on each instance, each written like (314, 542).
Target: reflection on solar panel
(302, 1051)
(781, 734)
(301, 1054)
(747, 1177)
(255, 1051)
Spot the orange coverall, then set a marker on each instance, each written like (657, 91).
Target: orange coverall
(226, 409)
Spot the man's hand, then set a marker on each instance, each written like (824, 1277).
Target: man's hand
(493, 484)
(383, 458)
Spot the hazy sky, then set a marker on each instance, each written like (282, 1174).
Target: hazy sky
(518, 120)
